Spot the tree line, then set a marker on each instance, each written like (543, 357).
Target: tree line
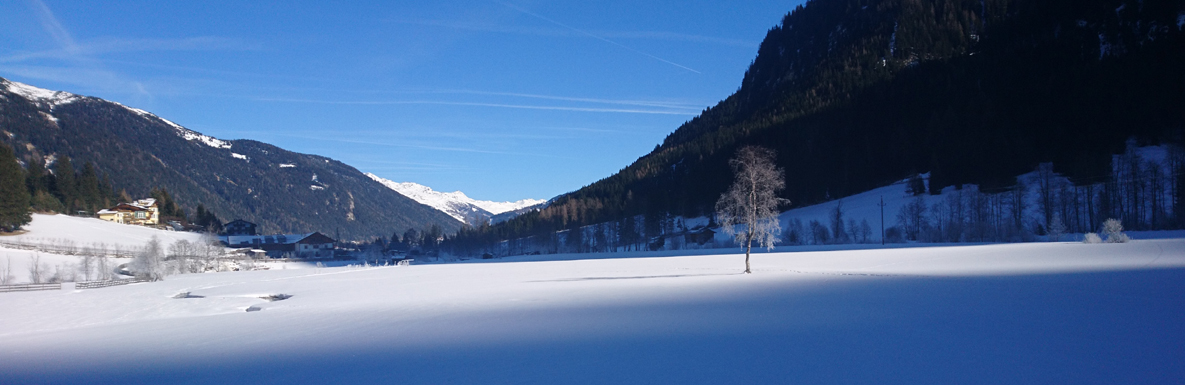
(1139, 193)
(62, 188)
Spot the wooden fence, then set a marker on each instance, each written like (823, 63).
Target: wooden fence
(101, 284)
(77, 285)
(30, 287)
(69, 249)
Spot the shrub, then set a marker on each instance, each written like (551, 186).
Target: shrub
(1092, 238)
(1113, 228)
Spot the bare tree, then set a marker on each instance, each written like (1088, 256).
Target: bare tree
(6, 272)
(1045, 191)
(1056, 229)
(103, 268)
(184, 256)
(837, 225)
(209, 250)
(36, 270)
(912, 218)
(150, 262)
(819, 233)
(87, 265)
(752, 201)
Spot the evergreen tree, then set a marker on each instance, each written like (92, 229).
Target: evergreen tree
(207, 219)
(36, 179)
(164, 201)
(432, 236)
(14, 195)
(411, 237)
(106, 192)
(89, 191)
(65, 187)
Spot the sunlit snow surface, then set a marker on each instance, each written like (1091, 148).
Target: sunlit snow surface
(1015, 313)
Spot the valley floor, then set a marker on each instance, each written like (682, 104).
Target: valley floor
(1009, 313)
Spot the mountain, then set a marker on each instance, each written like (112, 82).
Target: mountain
(459, 206)
(280, 190)
(856, 94)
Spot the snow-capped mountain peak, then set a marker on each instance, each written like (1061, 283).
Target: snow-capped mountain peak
(57, 98)
(39, 95)
(456, 204)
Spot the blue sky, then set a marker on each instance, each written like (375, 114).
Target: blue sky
(501, 100)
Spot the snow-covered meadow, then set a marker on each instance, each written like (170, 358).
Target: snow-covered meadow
(65, 236)
(1010, 313)
(84, 232)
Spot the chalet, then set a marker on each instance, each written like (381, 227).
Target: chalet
(299, 246)
(141, 212)
(699, 236)
(239, 227)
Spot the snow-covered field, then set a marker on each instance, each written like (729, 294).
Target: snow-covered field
(1012, 313)
(53, 229)
(62, 231)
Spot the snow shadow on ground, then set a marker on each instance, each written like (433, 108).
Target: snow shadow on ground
(1083, 328)
(634, 277)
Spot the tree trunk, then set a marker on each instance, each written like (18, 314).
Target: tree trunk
(748, 247)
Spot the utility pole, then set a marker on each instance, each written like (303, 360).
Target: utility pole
(882, 205)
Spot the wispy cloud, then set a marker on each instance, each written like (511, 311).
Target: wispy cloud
(77, 61)
(423, 146)
(52, 26)
(72, 49)
(595, 36)
(640, 103)
(481, 104)
(373, 165)
(535, 31)
(690, 107)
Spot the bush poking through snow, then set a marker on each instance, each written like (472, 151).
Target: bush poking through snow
(1092, 238)
(276, 297)
(1113, 228)
(254, 308)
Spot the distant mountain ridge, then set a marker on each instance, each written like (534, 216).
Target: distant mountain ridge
(280, 190)
(458, 205)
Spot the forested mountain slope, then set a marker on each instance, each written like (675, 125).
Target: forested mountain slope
(280, 190)
(855, 94)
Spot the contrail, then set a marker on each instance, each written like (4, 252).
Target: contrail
(544, 18)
